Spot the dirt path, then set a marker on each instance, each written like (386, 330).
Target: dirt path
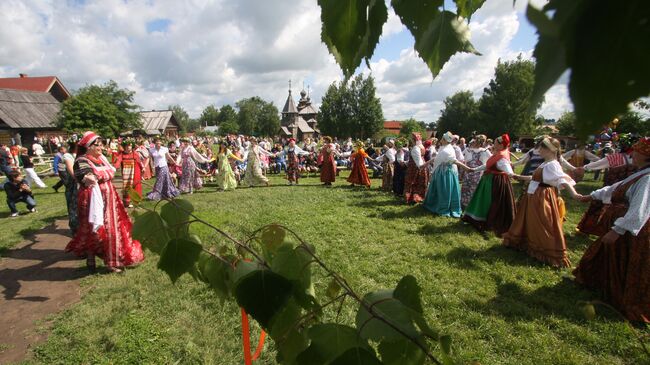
(38, 279)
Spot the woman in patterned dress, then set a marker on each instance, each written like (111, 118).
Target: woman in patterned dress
(476, 155)
(292, 156)
(188, 158)
(254, 175)
(226, 179)
(326, 162)
(131, 164)
(104, 225)
(359, 173)
(417, 179)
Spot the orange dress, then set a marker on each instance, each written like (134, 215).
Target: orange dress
(359, 174)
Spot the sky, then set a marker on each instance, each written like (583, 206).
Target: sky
(201, 52)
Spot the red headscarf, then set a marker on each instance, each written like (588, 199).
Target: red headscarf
(491, 163)
(643, 146)
(88, 138)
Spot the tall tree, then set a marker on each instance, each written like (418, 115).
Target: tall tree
(105, 109)
(268, 123)
(209, 116)
(257, 117)
(227, 114)
(633, 122)
(506, 103)
(351, 109)
(566, 124)
(186, 123)
(460, 114)
(411, 125)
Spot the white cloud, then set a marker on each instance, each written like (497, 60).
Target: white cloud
(218, 51)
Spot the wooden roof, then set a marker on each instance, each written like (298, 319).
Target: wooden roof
(289, 105)
(157, 120)
(38, 83)
(28, 109)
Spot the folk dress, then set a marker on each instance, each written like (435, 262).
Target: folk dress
(254, 175)
(621, 270)
(70, 193)
(292, 156)
(328, 166)
(475, 158)
(388, 166)
(164, 187)
(401, 157)
(131, 164)
(359, 173)
(190, 179)
(443, 196)
(225, 177)
(104, 225)
(146, 162)
(492, 206)
(537, 227)
(416, 180)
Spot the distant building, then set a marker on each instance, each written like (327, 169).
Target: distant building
(213, 129)
(392, 127)
(157, 123)
(299, 122)
(25, 115)
(45, 84)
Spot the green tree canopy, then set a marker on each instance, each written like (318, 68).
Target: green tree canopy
(209, 116)
(506, 103)
(268, 123)
(460, 114)
(411, 125)
(633, 122)
(257, 117)
(186, 123)
(351, 109)
(566, 124)
(105, 109)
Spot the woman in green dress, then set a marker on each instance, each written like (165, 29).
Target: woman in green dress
(225, 176)
(493, 204)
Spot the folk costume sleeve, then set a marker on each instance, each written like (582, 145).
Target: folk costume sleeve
(637, 215)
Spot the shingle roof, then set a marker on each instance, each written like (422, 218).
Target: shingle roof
(309, 109)
(303, 126)
(285, 130)
(289, 106)
(155, 119)
(28, 109)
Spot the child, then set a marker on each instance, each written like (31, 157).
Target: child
(28, 165)
(18, 191)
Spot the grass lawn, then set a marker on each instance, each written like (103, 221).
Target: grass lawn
(499, 306)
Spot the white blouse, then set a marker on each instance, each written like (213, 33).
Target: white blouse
(638, 196)
(553, 175)
(416, 155)
(503, 165)
(389, 154)
(159, 156)
(446, 155)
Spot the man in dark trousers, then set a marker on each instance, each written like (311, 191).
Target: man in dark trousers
(18, 192)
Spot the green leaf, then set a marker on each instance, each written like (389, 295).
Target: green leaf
(589, 311)
(351, 30)
(262, 294)
(357, 356)
(333, 289)
(438, 34)
(176, 213)
(217, 274)
(402, 352)
(151, 231)
(179, 257)
(408, 292)
(135, 197)
(328, 342)
(243, 269)
(390, 309)
(468, 7)
(273, 236)
(289, 339)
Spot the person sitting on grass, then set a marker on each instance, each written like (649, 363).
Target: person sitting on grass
(18, 192)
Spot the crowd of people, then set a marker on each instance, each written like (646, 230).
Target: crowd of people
(447, 176)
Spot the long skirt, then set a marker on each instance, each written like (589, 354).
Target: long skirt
(164, 187)
(254, 175)
(71, 200)
(292, 170)
(443, 196)
(621, 272)
(493, 205)
(387, 177)
(32, 178)
(190, 179)
(470, 182)
(359, 173)
(131, 178)
(415, 183)
(537, 228)
(112, 242)
(328, 170)
(398, 179)
(147, 174)
(225, 178)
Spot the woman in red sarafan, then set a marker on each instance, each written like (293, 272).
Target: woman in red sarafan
(104, 225)
(326, 160)
(132, 167)
(417, 179)
(359, 174)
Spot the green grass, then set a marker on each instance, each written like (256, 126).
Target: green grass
(49, 206)
(499, 306)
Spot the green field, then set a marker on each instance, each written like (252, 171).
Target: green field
(499, 306)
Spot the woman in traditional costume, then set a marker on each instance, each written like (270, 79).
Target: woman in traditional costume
(388, 166)
(493, 205)
(359, 173)
(476, 155)
(618, 263)
(131, 164)
(443, 195)
(291, 155)
(226, 179)
(164, 187)
(144, 151)
(175, 171)
(254, 175)
(326, 161)
(576, 157)
(187, 159)
(537, 227)
(104, 225)
(619, 166)
(67, 176)
(401, 159)
(415, 183)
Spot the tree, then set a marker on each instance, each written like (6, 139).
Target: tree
(186, 123)
(209, 116)
(227, 114)
(411, 125)
(268, 123)
(506, 103)
(351, 109)
(566, 125)
(633, 122)
(257, 117)
(460, 114)
(105, 109)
